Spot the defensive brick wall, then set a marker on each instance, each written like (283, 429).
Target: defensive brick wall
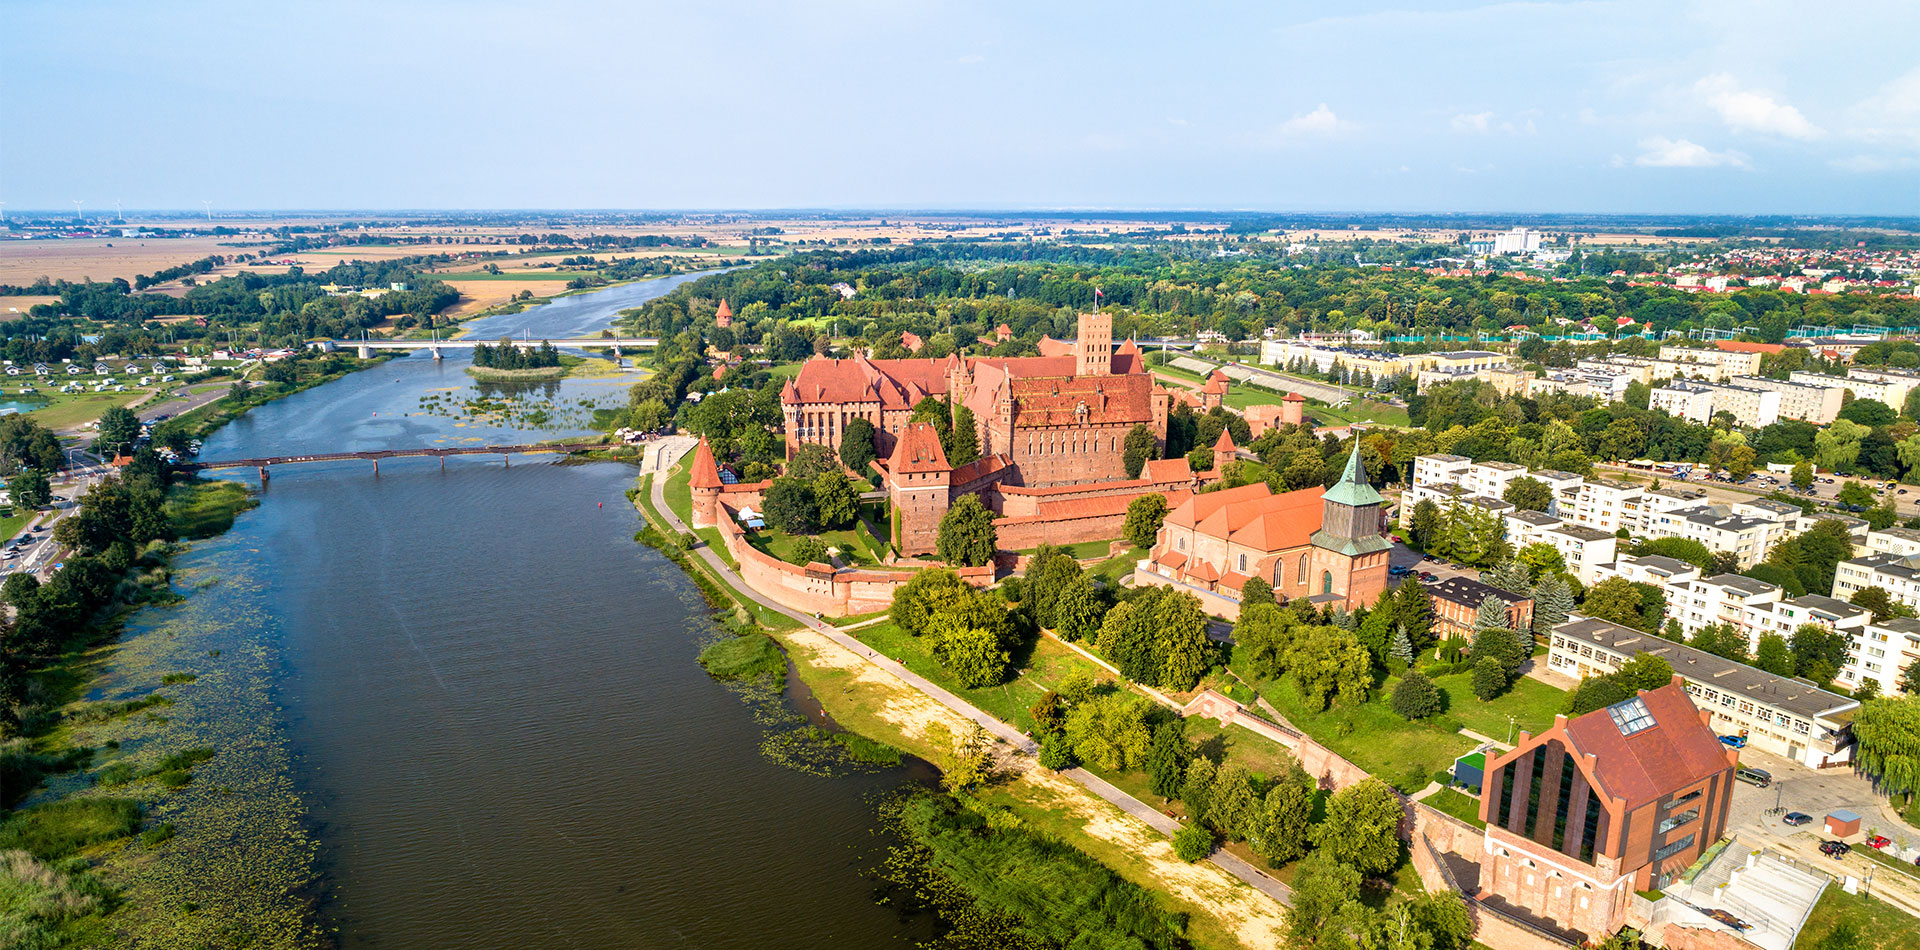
(829, 592)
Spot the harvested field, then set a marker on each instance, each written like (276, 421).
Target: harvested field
(23, 262)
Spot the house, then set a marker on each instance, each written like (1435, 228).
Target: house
(1457, 600)
(1600, 806)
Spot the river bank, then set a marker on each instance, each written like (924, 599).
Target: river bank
(860, 696)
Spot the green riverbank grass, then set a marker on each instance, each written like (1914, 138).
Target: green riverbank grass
(747, 655)
(206, 509)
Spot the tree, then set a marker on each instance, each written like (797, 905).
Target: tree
(31, 488)
(1493, 635)
(1056, 753)
(1854, 493)
(119, 428)
(789, 506)
(1511, 576)
(1680, 549)
(1773, 655)
(1196, 790)
(1413, 607)
(1255, 591)
(1541, 560)
(1887, 731)
(1167, 759)
(1877, 599)
(970, 761)
(1552, 603)
(1145, 515)
(1181, 626)
(1416, 697)
(1138, 450)
(926, 594)
(973, 655)
(807, 550)
(1615, 599)
(1192, 842)
(1818, 652)
(1329, 664)
(1077, 614)
(1871, 413)
(966, 533)
(1644, 671)
(1287, 818)
(1111, 731)
(1802, 477)
(834, 500)
(1362, 827)
(1049, 574)
(1721, 640)
(1528, 494)
(810, 461)
(1235, 809)
(1049, 714)
(1425, 523)
(1595, 692)
(856, 445)
(1262, 638)
(933, 411)
(1883, 515)
(1322, 886)
(1401, 647)
(1909, 675)
(962, 443)
(1489, 678)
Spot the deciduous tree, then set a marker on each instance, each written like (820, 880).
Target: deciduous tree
(967, 536)
(1362, 827)
(1145, 515)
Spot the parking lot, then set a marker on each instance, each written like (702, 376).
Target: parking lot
(1818, 792)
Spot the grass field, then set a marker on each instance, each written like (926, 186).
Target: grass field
(70, 410)
(1370, 735)
(1530, 702)
(1080, 551)
(857, 546)
(1114, 568)
(1040, 668)
(1360, 410)
(1458, 804)
(1878, 925)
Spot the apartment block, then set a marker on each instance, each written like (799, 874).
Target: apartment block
(1655, 569)
(1700, 401)
(1898, 382)
(1883, 655)
(1583, 549)
(1898, 576)
(1777, 714)
(1902, 542)
(1690, 402)
(1731, 362)
(1805, 402)
(1608, 504)
(1862, 388)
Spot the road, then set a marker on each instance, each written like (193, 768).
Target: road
(1908, 505)
(185, 400)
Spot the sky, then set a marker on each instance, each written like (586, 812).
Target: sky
(1674, 106)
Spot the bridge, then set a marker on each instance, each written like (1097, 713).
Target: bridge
(504, 451)
(365, 348)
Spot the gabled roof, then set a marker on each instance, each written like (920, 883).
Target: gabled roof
(1166, 470)
(918, 450)
(1676, 751)
(1252, 515)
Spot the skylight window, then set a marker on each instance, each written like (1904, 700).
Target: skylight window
(1630, 716)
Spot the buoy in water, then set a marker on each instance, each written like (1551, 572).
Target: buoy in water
(603, 504)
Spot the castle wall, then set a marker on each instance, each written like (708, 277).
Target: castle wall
(1070, 455)
(831, 594)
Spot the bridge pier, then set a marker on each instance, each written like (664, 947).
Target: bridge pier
(376, 468)
(263, 475)
(616, 353)
(435, 351)
(365, 351)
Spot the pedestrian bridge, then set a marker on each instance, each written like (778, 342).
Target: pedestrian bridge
(504, 451)
(365, 348)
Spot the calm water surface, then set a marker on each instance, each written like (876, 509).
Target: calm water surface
(491, 695)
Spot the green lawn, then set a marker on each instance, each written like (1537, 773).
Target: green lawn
(1114, 568)
(1081, 551)
(1458, 804)
(678, 493)
(1531, 703)
(1243, 395)
(785, 370)
(68, 410)
(1360, 410)
(1879, 926)
(1370, 735)
(858, 547)
(1041, 667)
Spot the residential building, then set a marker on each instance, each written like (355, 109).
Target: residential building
(1898, 576)
(1457, 600)
(1609, 504)
(1898, 382)
(1805, 402)
(1856, 527)
(1731, 599)
(1862, 388)
(1731, 362)
(1660, 571)
(1902, 542)
(1597, 807)
(1324, 545)
(1517, 241)
(1700, 401)
(1779, 715)
(1882, 654)
(1690, 402)
(1719, 530)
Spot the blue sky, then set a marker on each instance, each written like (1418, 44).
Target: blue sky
(1673, 106)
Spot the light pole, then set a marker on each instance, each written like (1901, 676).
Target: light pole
(1512, 723)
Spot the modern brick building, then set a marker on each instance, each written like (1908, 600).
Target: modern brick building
(1457, 600)
(1618, 800)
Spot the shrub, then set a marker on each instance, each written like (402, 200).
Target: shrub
(1489, 678)
(747, 656)
(153, 837)
(806, 551)
(1416, 697)
(1056, 753)
(53, 831)
(1192, 842)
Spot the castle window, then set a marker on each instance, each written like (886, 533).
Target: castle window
(1243, 564)
(1300, 577)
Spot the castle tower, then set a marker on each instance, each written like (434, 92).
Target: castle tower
(1093, 347)
(1223, 451)
(1293, 409)
(705, 482)
(1349, 557)
(723, 317)
(919, 489)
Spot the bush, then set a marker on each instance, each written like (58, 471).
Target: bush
(1056, 753)
(53, 831)
(1192, 842)
(736, 657)
(806, 551)
(1416, 697)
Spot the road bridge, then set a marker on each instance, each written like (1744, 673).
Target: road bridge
(504, 451)
(365, 348)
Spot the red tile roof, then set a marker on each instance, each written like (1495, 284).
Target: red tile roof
(724, 310)
(1252, 515)
(1676, 751)
(1736, 346)
(1052, 347)
(1164, 471)
(705, 473)
(1224, 443)
(918, 450)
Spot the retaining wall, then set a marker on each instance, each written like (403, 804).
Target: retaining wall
(829, 592)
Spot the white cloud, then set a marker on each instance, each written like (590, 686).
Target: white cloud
(1476, 122)
(1662, 152)
(1892, 114)
(1745, 110)
(1320, 121)
(1176, 121)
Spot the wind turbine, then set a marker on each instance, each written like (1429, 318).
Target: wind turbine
(118, 215)
(76, 210)
(209, 205)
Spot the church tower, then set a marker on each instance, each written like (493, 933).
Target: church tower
(1093, 346)
(1349, 556)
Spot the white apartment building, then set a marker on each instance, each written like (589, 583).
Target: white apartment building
(1862, 388)
(1898, 576)
(1731, 362)
(1565, 487)
(1805, 402)
(1900, 542)
(1882, 655)
(1655, 569)
(1898, 382)
(1693, 403)
(1724, 598)
(1585, 550)
(1490, 479)
(1608, 505)
(1637, 370)
(1777, 714)
(1517, 241)
(1746, 538)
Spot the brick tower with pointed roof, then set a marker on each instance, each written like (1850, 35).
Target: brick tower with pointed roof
(705, 482)
(919, 487)
(1349, 557)
(1223, 451)
(723, 317)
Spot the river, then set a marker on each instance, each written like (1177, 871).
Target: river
(485, 694)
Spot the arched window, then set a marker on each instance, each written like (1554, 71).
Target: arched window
(1300, 577)
(1326, 582)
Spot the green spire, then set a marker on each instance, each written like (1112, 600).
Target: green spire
(1352, 488)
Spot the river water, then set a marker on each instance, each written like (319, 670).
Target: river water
(487, 697)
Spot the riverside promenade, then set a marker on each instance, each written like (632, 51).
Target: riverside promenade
(1020, 742)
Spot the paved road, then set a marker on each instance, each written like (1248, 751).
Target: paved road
(184, 401)
(1817, 792)
(1724, 493)
(1014, 737)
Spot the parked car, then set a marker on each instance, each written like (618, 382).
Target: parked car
(1738, 742)
(1397, 570)
(1758, 778)
(1835, 849)
(1397, 539)
(1879, 842)
(1797, 818)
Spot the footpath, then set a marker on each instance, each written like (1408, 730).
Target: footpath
(1093, 783)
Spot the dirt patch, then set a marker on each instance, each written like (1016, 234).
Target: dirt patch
(901, 706)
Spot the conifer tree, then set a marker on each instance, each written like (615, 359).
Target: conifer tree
(1551, 605)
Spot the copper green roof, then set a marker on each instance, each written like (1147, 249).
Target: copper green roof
(1352, 489)
(1351, 547)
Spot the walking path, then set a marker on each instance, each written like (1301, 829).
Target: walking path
(1093, 783)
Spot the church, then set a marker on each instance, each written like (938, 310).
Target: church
(1057, 419)
(1321, 544)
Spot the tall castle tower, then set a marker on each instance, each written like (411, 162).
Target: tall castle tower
(1093, 347)
(1349, 557)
